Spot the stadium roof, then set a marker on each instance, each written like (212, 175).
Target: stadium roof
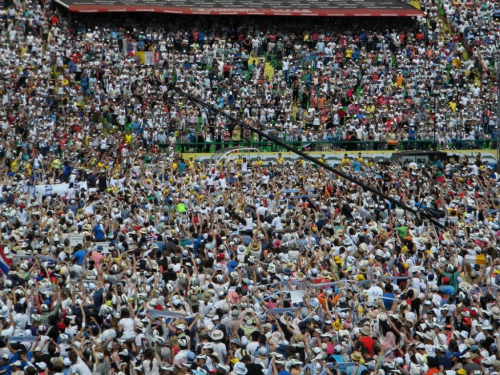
(338, 8)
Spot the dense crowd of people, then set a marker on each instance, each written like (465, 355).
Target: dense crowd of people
(121, 256)
(385, 83)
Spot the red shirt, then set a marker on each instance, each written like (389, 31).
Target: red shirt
(368, 343)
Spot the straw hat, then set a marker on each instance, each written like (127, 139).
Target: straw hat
(300, 276)
(356, 356)
(291, 265)
(255, 246)
(217, 335)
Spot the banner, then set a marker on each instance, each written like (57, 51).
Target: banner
(216, 193)
(342, 364)
(59, 189)
(41, 257)
(322, 285)
(321, 315)
(166, 314)
(282, 310)
(22, 338)
(42, 289)
(105, 247)
(297, 296)
(148, 58)
(284, 282)
(309, 369)
(475, 259)
(271, 296)
(75, 239)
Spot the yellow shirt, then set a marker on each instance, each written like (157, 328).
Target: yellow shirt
(346, 161)
(128, 139)
(56, 164)
(281, 160)
(14, 165)
(360, 160)
(258, 163)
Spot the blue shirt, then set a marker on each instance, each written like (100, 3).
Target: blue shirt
(98, 232)
(231, 265)
(80, 256)
(447, 289)
(339, 358)
(388, 302)
(7, 369)
(350, 370)
(67, 170)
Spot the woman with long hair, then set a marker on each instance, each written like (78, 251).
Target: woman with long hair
(174, 346)
(388, 347)
(126, 326)
(150, 365)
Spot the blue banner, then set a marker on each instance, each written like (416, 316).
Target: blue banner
(282, 310)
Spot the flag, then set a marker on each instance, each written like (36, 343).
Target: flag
(321, 315)
(4, 262)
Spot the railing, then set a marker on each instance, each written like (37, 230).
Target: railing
(339, 145)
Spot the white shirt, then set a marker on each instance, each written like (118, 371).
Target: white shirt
(276, 223)
(106, 335)
(151, 370)
(128, 328)
(80, 368)
(20, 322)
(221, 350)
(374, 292)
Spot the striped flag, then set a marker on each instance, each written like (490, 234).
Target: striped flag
(4, 262)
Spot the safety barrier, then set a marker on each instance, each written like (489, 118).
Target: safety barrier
(338, 145)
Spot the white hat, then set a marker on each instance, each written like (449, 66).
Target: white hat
(217, 335)
(67, 362)
(41, 365)
(240, 368)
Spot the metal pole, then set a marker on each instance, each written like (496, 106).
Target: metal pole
(435, 113)
(435, 95)
(497, 110)
(303, 155)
